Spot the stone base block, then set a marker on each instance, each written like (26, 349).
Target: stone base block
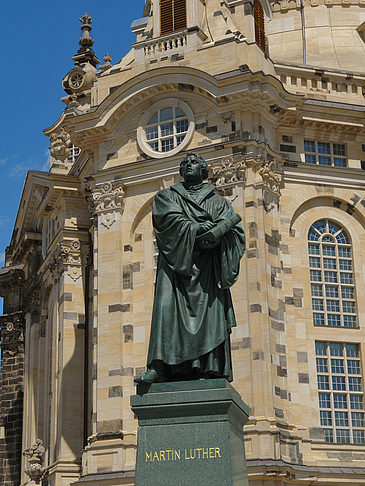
(191, 433)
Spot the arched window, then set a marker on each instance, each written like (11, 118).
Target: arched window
(259, 24)
(331, 275)
(172, 15)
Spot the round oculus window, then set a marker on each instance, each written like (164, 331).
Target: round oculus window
(166, 128)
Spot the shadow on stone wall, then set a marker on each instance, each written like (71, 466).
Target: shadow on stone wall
(11, 448)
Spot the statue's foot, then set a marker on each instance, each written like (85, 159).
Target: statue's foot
(151, 376)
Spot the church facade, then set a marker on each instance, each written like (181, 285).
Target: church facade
(271, 94)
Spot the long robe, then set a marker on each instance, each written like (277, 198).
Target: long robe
(193, 312)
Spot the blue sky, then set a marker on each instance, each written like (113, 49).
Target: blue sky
(37, 42)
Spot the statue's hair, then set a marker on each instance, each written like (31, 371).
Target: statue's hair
(202, 162)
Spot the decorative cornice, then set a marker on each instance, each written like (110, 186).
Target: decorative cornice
(12, 333)
(100, 436)
(105, 200)
(284, 5)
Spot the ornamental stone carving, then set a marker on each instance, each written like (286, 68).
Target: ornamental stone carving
(272, 176)
(59, 147)
(12, 333)
(105, 200)
(34, 467)
(231, 170)
(69, 256)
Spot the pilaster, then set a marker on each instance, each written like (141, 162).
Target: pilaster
(65, 275)
(108, 446)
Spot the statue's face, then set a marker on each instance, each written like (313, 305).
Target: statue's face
(191, 170)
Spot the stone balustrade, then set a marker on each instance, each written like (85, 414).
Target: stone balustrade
(165, 44)
(325, 84)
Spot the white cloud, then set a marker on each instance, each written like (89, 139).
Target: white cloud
(3, 220)
(2, 259)
(5, 160)
(18, 170)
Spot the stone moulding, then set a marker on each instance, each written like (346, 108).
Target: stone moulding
(100, 436)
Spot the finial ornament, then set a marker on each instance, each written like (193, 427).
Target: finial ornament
(107, 58)
(107, 62)
(86, 40)
(85, 54)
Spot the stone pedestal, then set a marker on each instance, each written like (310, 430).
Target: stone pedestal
(191, 433)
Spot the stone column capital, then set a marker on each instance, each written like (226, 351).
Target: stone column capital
(105, 199)
(230, 169)
(69, 256)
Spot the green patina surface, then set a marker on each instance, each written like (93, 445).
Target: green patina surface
(201, 243)
(190, 433)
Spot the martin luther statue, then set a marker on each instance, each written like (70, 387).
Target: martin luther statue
(201, 243)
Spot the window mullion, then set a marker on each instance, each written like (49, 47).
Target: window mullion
(339, 283)
(174, 128)
(323, 282)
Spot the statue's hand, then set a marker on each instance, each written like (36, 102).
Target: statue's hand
(204, 227)
(209, 244)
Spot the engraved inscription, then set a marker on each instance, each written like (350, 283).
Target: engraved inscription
(190, 454)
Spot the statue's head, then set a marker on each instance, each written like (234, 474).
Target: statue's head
(193, 168)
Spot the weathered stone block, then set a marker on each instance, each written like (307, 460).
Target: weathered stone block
(303, 377)
(109, 426)
(302, 357)
(115, 391)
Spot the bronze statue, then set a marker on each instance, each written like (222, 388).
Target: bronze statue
(201, 242)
